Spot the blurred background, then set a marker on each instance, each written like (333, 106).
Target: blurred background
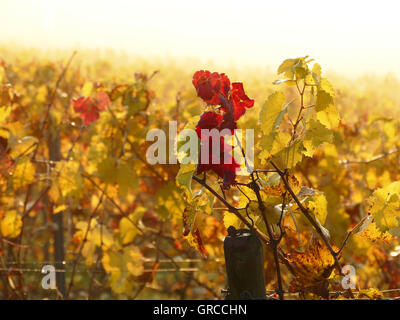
(349, 37)
(121, 219)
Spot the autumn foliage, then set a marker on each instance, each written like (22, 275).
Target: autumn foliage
(324, 193)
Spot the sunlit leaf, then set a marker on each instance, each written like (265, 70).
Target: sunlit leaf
(11, 224)
(24, 173)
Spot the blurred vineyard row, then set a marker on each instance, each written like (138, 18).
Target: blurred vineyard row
(122, 218)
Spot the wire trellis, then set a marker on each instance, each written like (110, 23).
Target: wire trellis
(89, 270)
(12, 269)
(144, 260)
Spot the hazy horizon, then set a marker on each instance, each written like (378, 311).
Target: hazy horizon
(347, 38)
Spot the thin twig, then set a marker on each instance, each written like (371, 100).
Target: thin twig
(122, 212)
(368, 161)
(312, 221)
(71, 282)
(232, 209)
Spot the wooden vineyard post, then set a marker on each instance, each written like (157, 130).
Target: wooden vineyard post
(59, 254)
(244, 258)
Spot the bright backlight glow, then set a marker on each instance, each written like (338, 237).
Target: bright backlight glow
(350, 37)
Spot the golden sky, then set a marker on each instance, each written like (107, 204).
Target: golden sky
(350, 37)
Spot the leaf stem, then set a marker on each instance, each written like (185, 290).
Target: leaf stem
(312, 221)
(232, 209)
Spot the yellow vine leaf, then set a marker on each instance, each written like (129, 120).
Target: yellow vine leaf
(326, 86)
(373, 234)
(286, 67)
(385, 207)
(327, 113)
(87, 89)
(106, 170)
(294, 68)
(316, 134)
(272, 144)
(181, 154)
(329, 117)
(114, 171)
(231, 219)
(312, 269)
(290, 156)
(195, 241)
(324, 100)
(184, 177)
(67, 180)
(271, 111)
(97, 236)
(121, 265)
(24, 173)
(70, 179)
(11, 224)
(169, 201)
(272, 195)
(127, 227)
(195, 212)
(316, 69)
(318, 205)
(126, 179)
